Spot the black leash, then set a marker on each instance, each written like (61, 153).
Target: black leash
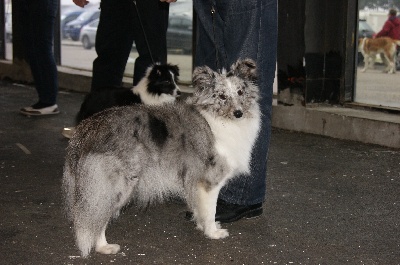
(144, 33)
(217, 61)
(218, 64)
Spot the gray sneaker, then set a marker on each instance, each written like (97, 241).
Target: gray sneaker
(31, 111)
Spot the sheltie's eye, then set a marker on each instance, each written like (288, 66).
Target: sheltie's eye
(240, 92)
(222, 96)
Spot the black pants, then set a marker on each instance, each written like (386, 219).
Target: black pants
(119, 26)
(39, 20)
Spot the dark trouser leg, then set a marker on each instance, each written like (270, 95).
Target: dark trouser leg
(154, 16)
(38, 37)
(119, 26)
(114, 41)
(256, 39)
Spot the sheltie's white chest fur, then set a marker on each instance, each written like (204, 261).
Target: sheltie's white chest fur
(234, 139)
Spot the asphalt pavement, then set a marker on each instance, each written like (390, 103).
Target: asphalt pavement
(328, 201)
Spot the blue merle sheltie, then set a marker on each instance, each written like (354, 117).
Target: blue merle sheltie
(145, 154)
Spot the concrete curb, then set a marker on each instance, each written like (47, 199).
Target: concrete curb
(350, 124)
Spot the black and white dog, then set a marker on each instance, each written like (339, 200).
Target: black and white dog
(158, 86)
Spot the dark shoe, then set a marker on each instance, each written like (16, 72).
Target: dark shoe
(229, 212)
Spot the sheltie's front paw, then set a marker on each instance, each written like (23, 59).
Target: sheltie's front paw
(217, 233)
(200, 227)
(108, 249)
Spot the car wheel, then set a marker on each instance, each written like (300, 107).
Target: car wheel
(398, 60)
(86, 43)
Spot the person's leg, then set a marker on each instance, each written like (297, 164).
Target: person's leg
(209, 32)
(259, 42)
(114, 41)
(254, 39)
(39, 38)
(154, 18)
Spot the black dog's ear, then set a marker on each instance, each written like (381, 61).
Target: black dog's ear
(203, 76)
(174, 68)
(245, 69)
(154, 70)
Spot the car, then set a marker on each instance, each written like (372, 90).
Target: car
(66, 18)
(88, 34)
(364, 31)
(179, 33)
(73, 28)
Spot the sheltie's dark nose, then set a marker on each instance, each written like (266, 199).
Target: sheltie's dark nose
(238, 113)
(178, 93)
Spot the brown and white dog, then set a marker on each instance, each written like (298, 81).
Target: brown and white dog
(371, 47)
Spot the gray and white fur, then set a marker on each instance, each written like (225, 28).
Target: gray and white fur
(145, 154)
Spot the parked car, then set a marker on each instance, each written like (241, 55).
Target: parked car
(73, 28)
(88, 34)
(364, 31)
(66, 18)
(179, 33)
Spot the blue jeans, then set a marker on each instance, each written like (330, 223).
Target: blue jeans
(242, 29)
(39, 19)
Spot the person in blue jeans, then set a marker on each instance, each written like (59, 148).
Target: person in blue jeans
(39, 20)
(226, 31)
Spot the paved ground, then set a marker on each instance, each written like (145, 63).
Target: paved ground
(377, 88)
(329, 202)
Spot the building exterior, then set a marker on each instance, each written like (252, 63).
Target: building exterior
(316, 66)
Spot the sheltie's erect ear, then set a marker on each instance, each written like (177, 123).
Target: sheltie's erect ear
(203, 77)
(245, 69)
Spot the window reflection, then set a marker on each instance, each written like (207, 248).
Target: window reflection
(375, 86)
